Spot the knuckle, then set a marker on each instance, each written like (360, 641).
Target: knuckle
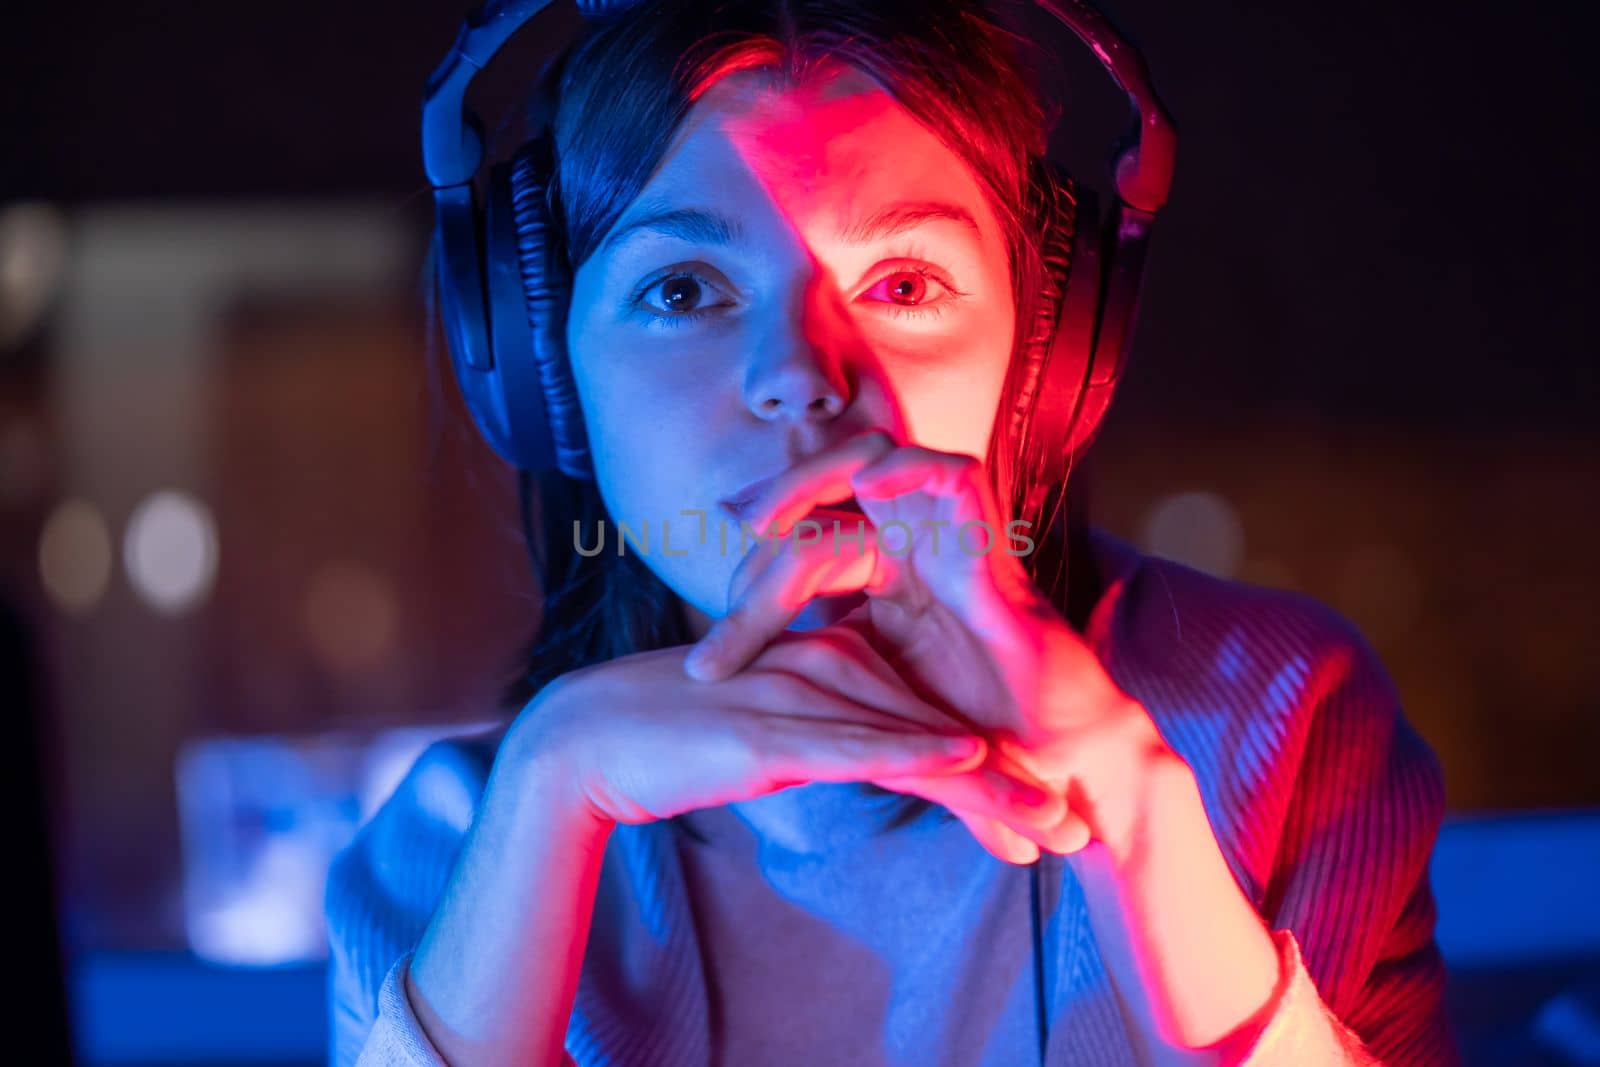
(809, 653)
(847, 637)
(783, 653)
(826, 644)
(813, 653)
(778, 689)
(783, 749)
(852, 744)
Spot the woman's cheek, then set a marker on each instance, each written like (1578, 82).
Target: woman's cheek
(949, 406)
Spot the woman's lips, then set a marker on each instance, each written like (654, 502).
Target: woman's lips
(741, 506)
(738, 505)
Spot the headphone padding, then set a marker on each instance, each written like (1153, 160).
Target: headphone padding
(546, 296)
(509, 389)
(1048, 400)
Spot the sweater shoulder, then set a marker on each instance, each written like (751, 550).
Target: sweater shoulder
(1245, 682)
(384, 886)
(1283, 661)
(1232, 631)
(430, 809)
(397, 855)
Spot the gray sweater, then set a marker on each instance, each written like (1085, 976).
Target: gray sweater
(890, 936)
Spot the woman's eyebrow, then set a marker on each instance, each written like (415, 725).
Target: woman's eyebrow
(703, 226)
(691, 224)
(903, 215)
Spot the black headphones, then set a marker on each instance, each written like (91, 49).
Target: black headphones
(503, 283)
(504, 288)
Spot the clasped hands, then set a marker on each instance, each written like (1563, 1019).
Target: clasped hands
(951, 608)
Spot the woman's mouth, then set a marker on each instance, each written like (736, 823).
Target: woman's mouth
(740, 507)
(739, 504)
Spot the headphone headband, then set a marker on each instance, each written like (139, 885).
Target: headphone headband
(452, 148)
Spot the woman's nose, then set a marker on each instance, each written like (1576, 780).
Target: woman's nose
(797, 394)
(798, 374)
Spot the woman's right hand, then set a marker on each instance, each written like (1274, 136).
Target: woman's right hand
(638, 740)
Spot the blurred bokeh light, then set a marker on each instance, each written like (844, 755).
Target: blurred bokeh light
(170, 550)
(75, 556)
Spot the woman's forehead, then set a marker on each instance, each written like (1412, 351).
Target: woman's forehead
(826, 150)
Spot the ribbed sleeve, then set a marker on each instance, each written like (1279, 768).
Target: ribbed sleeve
(1351, 877)
(1325, 802)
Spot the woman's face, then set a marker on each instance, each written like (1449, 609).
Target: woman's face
(804, 265)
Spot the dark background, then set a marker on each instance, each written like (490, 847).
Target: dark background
(1381, 211)
(1366, 331)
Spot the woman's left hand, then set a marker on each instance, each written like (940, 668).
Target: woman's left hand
(961, 621)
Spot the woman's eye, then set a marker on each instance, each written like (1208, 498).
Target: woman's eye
(681, 293)
(684, 295)
(912, 291)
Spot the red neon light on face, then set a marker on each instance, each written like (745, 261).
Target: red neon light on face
(830, 155)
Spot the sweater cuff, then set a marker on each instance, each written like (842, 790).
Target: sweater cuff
(1295, 1027)
(397, 1038)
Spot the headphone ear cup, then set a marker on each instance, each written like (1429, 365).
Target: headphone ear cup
(1054, 211)
(463, 306)
(1062, 333)
(1080, 403)
(541, 396)
(485, 315)
(486, 368)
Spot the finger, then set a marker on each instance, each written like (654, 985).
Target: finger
(938, 511)
(840, 696)
(1069, 832)
(1064, 837)
(989, 792)
(1005, 843)
(809, 563)
(797, 749)
(944, 475)
(842, 659)
(1068, 836)
(821, 478)
(1041, 816)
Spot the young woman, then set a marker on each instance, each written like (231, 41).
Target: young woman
(899, 798)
